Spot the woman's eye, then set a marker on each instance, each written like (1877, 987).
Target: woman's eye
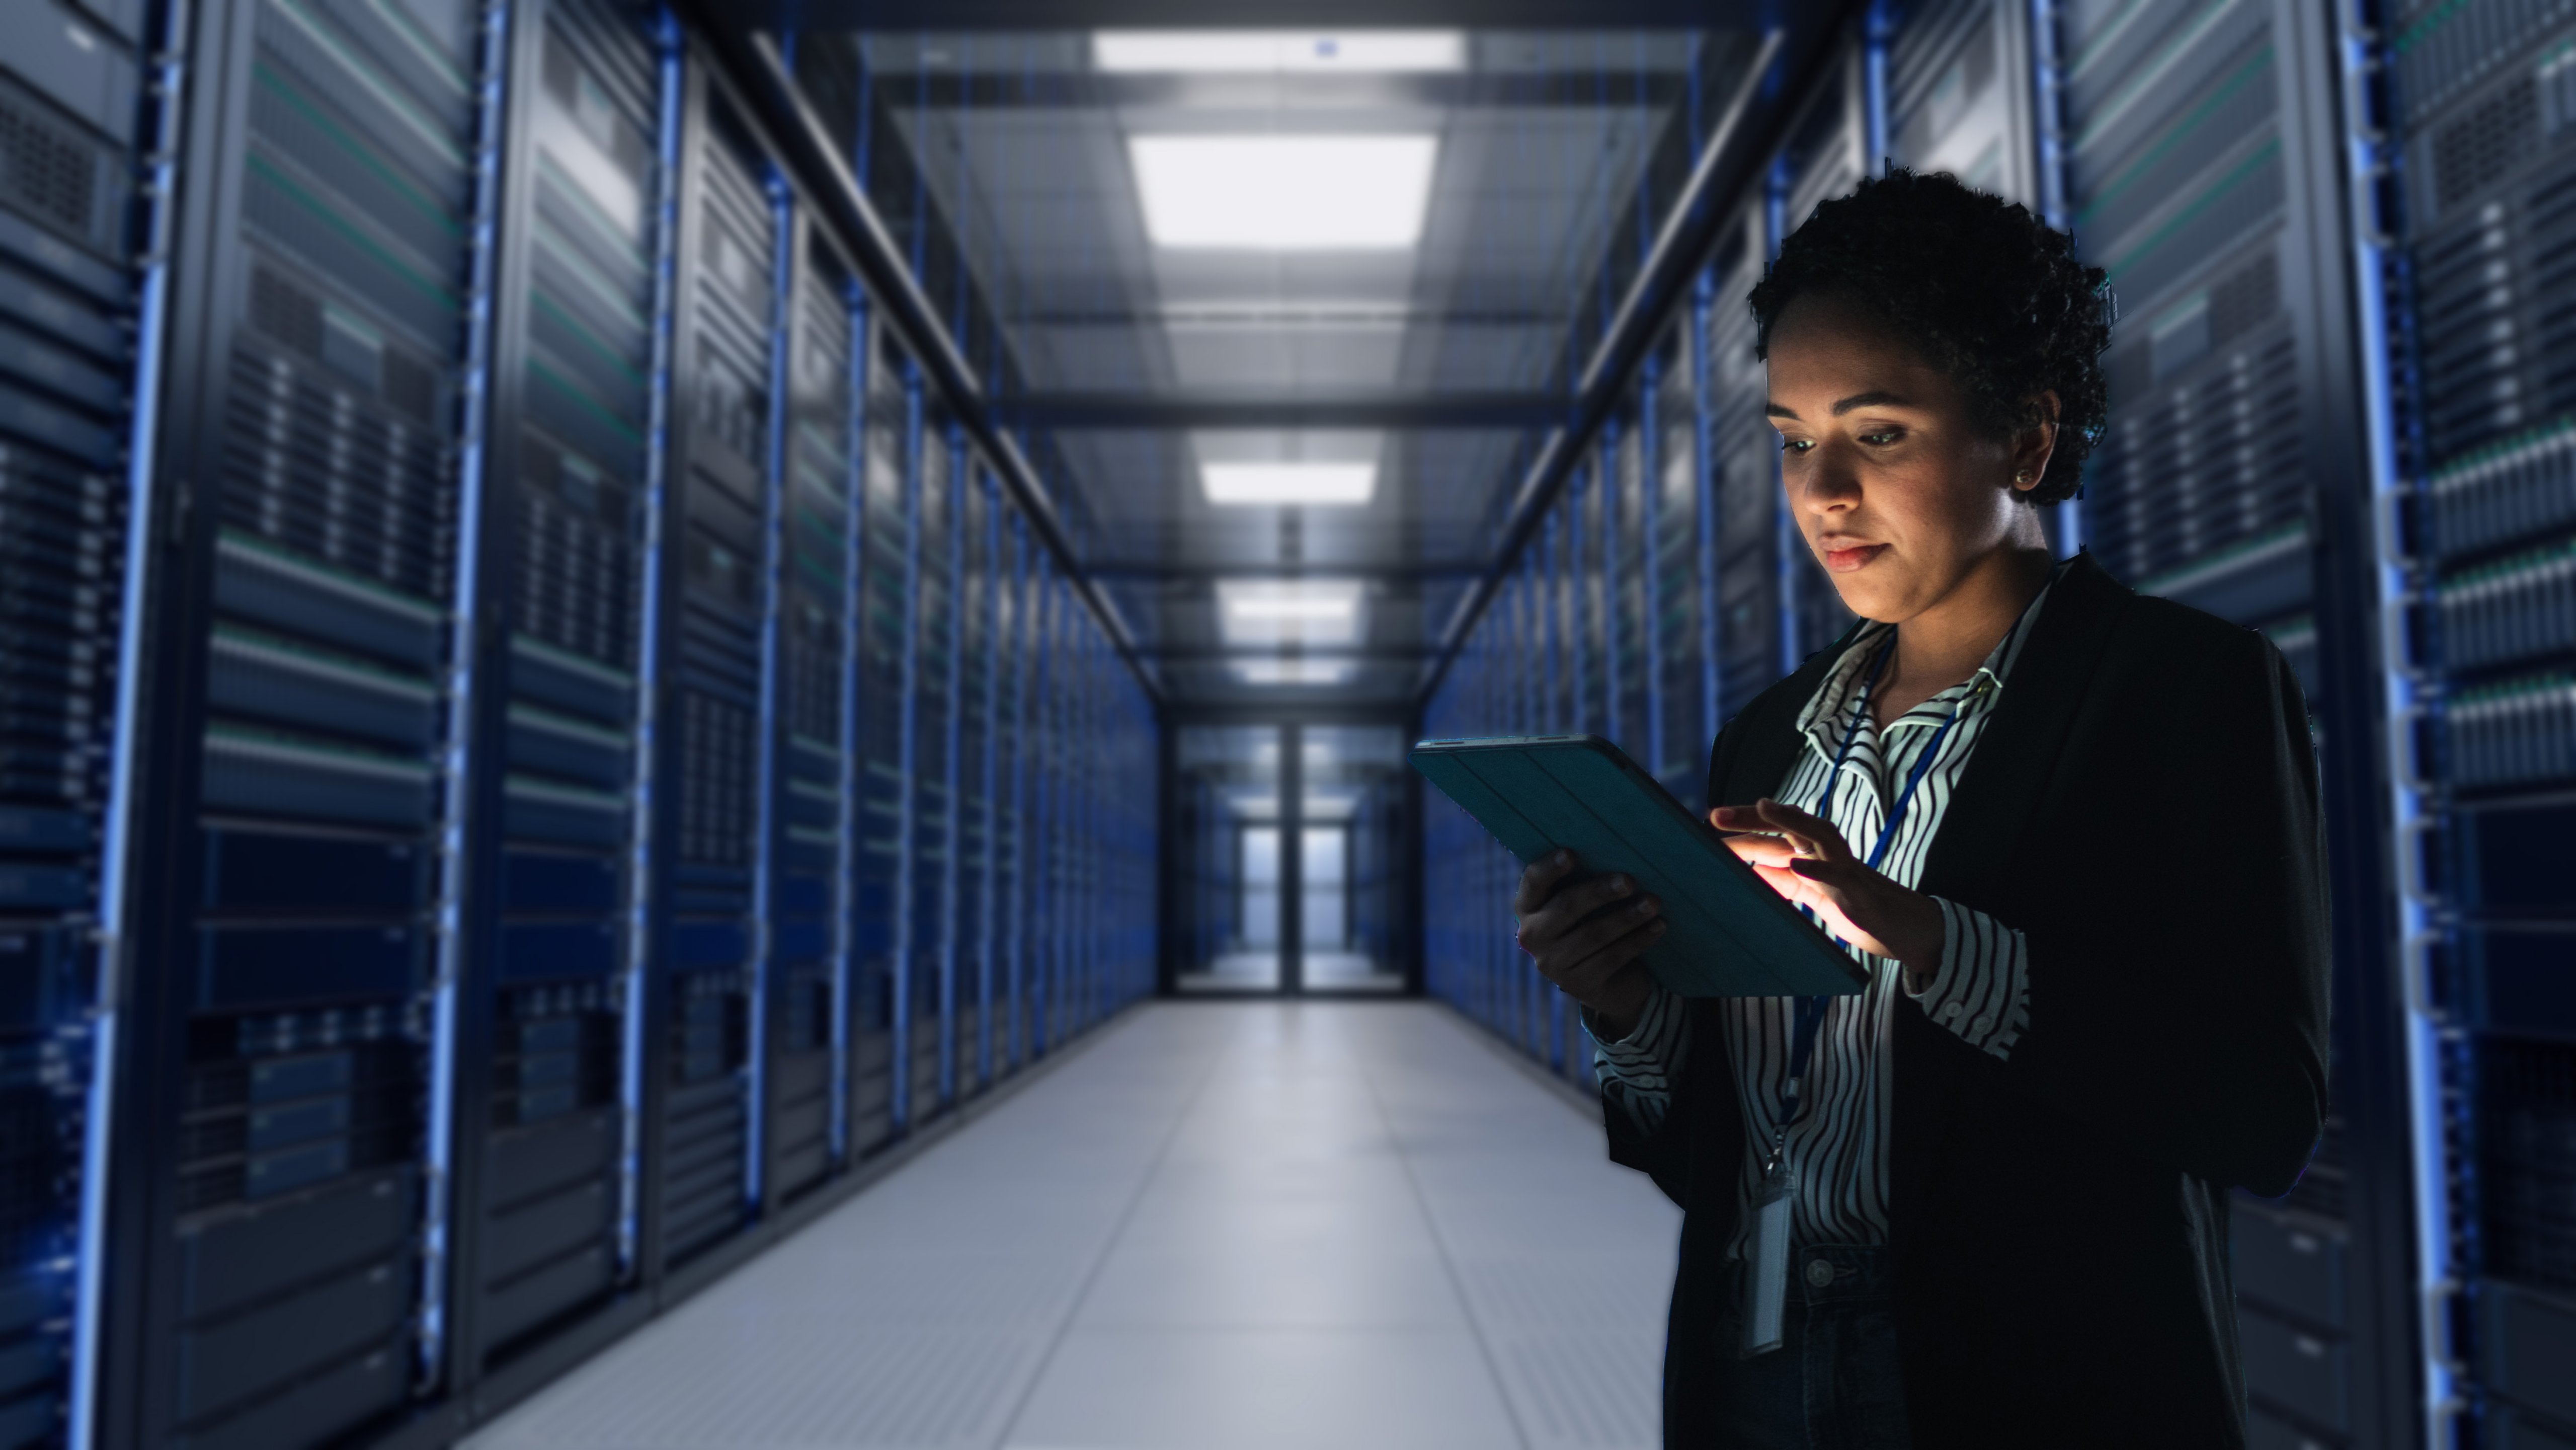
(1881, 438)
(1796, 445)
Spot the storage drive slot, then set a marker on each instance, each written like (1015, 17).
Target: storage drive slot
(222, 1364)
(314, 1411)
(270, 677)
(553, 744)
(524, 1164)
(567, 682)
(267, 772)
(538, 1231)
(543, 810)
(516, 1308)
(254, 580)
(249, 1253)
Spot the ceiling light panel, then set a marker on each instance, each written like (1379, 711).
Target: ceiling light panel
(1288, 484)
(1295, 671)
(1272, 52)
(1284, 193)
(1322, 613)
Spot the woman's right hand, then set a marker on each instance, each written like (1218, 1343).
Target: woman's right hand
(1586, 933)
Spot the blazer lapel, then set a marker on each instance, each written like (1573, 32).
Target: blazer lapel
(2020, 748)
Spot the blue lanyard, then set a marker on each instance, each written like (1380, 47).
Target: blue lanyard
(1810, 1011)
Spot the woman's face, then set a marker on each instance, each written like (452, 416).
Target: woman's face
(1899, 495)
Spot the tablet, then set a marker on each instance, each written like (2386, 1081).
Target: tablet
(1731, 935)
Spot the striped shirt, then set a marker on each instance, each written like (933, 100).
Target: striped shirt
(1837, 1149)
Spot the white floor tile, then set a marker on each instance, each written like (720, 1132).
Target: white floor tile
(1222, 1227)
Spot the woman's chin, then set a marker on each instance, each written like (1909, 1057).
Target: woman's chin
(1869, 598)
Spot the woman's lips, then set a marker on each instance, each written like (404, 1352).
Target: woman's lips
(1845, 558)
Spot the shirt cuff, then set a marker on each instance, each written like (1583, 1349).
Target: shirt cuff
(1646, 1059)
(1981, 991)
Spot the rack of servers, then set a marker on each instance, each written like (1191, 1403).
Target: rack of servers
(2342, 414)
(537, 757)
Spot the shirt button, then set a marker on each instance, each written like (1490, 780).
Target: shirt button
(1982, 1024)
(1820, 1273)
(1951, 1012)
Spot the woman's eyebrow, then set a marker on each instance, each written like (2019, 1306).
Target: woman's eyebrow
(1881, 399)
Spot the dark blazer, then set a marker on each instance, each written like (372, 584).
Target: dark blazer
(2143, 806)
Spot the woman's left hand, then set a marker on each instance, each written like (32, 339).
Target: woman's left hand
(1804, 859)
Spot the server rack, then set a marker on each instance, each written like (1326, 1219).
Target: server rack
(933, 704)
(878, 1099)
(2200, 166)
(299, 885)
(1679, 718)
(2482, 623)
(1019, 955)
(816, 652)
(718, 744)
(80, 332)
(979, 679)
(537, 1141)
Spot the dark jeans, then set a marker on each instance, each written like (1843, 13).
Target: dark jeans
(1834, 1382)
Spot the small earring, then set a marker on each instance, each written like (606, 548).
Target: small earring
(2022, 476)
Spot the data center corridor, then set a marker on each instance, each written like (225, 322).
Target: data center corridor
(1217, 1224)
(705, 705)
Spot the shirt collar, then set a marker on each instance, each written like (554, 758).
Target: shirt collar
(1828, 711)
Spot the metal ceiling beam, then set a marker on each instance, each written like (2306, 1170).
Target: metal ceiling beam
(758, 77)
(1054, 15)
(1395, 412)
(1727, 165)
(1155, 571)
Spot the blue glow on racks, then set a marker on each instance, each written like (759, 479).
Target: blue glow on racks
(907, 755)
(2435, 1280)
(669, 44)
(854, 532)
(764, 849)
(961, 472)
(464, 639)
(117, 824)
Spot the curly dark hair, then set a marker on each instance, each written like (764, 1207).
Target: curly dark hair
(1989, 294)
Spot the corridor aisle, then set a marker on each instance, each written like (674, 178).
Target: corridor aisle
(1236, 1226)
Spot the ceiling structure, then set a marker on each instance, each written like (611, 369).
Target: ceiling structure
(1282, 318)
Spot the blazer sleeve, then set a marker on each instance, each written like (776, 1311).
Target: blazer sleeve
(2178, 973)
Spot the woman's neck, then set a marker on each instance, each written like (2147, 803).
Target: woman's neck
(1944, 644)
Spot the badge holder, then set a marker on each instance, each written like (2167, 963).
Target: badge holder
(1766, 1262)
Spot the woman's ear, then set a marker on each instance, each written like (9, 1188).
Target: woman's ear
(2032, 445)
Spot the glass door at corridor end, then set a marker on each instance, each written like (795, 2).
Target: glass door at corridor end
(1290, 838)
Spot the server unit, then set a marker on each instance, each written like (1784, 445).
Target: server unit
(74, 229)
(2480, 174)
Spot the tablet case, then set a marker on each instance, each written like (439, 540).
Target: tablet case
(1731, 936)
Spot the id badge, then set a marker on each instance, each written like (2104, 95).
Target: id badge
(1766, 1265)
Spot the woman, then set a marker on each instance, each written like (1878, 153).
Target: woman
(2074, 835)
